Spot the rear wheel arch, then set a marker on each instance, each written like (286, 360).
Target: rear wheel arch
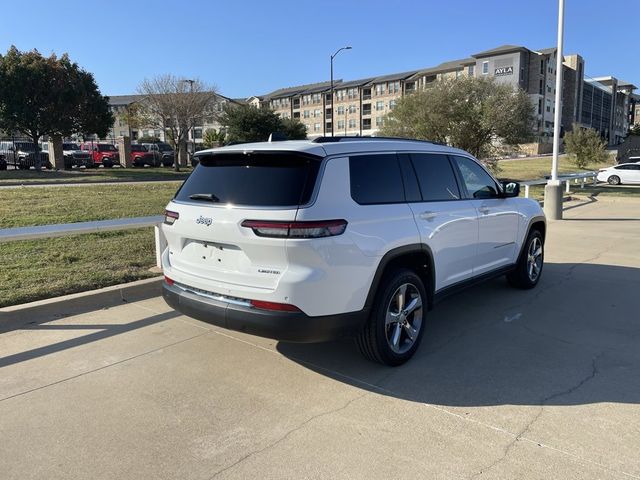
(416, 257)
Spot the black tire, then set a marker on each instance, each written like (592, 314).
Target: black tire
(613, 180)
(107, 163)
(373, 341)
(522, 277)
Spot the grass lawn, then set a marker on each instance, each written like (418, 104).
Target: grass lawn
(19, 177)
(21, 207)
(536, 168)
(33, 270)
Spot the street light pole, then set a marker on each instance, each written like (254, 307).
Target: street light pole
(333, 116)
(553, 189)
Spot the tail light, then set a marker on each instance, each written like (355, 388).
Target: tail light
(170, 217)
(273, 306)
(315, 229)
(168, 280)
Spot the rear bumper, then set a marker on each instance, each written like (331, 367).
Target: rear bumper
(284, 326)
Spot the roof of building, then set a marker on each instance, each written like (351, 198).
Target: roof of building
(124, 99)
(500, 50)
(393, 76)
(118, 100)
(547, 51)
(299, 89)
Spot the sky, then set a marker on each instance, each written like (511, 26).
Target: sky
(246, 48)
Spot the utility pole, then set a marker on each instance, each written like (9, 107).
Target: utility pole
(553, 189)
(333, 116)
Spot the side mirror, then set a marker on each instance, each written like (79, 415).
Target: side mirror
(510, 189)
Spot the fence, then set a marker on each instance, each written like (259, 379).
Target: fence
(60, 230)
(576, 177)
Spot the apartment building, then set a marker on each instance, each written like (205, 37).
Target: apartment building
(121, 106)
(360, 106)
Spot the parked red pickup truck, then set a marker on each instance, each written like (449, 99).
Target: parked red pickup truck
(103, 154)
(140, 156)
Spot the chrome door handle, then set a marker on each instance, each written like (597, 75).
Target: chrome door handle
(484, 210)
(427, 215)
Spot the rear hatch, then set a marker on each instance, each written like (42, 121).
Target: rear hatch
(207, 241)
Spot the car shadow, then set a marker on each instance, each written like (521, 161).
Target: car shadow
(572, 340)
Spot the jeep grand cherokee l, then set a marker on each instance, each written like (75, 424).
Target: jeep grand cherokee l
(307, 241)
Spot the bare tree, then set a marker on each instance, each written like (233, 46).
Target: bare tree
(174, 104)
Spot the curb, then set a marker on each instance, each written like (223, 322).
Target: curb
(77, 303)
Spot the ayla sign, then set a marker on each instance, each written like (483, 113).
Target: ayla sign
(500, 71)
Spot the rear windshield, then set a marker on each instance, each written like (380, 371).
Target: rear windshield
(261, 179)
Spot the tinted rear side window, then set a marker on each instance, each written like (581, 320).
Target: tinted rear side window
(376, 179)
(260, 179)
(435, 176)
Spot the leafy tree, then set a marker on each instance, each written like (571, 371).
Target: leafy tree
(293, 129)
(175, 104)
(476, 115)
(246, 123)
(585, 146)
(211, 138)
(49, 96)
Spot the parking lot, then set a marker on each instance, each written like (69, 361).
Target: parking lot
(507, 384)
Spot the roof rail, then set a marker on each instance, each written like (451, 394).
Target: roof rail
(350, 139)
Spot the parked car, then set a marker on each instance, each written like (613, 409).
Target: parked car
(307, 241)
(104, 154)
(193, 157)
(162, 152)
(140, 156)
(75, 157)
(619, 174)
(21, 154)
(3, 162)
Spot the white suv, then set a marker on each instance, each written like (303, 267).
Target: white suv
(306, 241)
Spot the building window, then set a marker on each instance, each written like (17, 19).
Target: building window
(306, 114)
(352, 123)
(392, 104)
(316, 127)
(394, 87)
(548, 105)
(341, 110)
(317, 112)
(340, 124)
(328, 129)
(541, 67)
(366, 93)
(541, 89)
(352, 109)
(472, 70)
(296, 114)
(340, 94)
(522, 74)
(379, 121)
(540, 106)
(366, 109)
(548, 89)
(366, 124)
(379, 105)
(197, 133)
(485, 68)
(380, 89)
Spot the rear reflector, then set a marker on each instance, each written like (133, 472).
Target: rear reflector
(277, 307)
(315, 229)
(168, 280)
(170, 217)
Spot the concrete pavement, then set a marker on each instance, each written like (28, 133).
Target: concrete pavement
(507, 384)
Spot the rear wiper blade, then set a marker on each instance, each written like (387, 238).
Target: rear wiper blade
(204, 196)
